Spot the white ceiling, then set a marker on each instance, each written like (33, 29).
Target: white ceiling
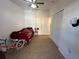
(47, 6)
(25, 5)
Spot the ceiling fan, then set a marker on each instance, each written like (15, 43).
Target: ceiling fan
(34, 3)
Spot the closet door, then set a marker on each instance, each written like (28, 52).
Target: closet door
(57, 25)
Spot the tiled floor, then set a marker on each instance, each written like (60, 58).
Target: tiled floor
(40, 47)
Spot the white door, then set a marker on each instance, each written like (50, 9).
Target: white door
(56, 28)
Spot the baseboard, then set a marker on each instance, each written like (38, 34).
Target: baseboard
(57, 47)
(44, 34)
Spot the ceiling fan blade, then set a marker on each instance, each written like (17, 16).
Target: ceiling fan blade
(40, 2)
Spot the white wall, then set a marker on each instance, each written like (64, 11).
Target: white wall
(69, 37)
(11, 18)
(38, 18)
(71, 34)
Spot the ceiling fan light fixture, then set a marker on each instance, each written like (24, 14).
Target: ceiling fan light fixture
(29, 0)
(34, 0)
(33, 5)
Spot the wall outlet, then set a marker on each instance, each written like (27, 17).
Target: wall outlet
(69, 51)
